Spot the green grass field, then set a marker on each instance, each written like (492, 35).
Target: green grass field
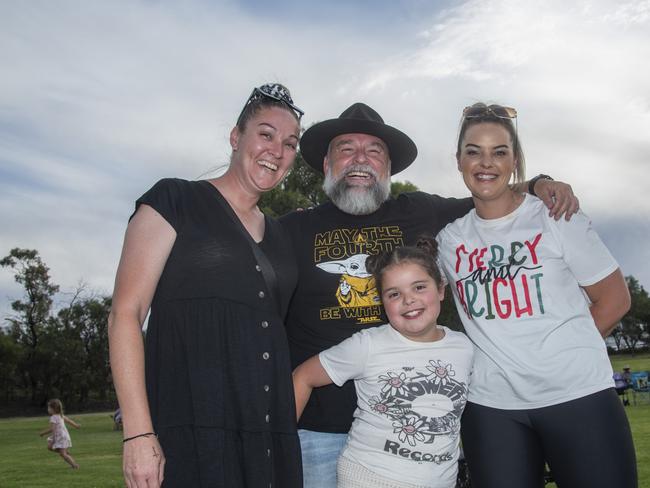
(25, 461)
(636, 362)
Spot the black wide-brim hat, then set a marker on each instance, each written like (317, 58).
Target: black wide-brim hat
(359, 118)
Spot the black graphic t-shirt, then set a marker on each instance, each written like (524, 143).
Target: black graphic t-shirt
(335, 296)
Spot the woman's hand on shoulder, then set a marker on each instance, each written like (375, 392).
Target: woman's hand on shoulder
(143, 463)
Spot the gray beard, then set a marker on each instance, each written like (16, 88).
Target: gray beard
(356, 200)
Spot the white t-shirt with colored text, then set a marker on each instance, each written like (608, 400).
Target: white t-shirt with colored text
(516, 282)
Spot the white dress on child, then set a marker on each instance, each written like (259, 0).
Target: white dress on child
(60, 438)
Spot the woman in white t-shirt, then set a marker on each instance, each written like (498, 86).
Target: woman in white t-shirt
(410, 376)
(536, 296)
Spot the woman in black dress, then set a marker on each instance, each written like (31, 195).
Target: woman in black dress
(208, 399)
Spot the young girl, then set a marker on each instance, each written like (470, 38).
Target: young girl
(411, 378)
(59, 441)
(542, 381)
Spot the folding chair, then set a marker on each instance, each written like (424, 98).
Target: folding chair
(640, 385)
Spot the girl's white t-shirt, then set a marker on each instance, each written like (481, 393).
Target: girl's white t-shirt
(516, 282)
(410, 399)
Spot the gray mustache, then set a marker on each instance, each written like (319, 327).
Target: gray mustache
(361, 167)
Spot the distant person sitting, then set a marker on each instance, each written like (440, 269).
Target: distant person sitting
(627, 375)
(621, 384)
(117, 419)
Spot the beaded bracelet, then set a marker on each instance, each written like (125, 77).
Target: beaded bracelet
(146, 434)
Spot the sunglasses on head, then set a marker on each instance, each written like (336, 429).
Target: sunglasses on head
(274, 91)
(486, 110)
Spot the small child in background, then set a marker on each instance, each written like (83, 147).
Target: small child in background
(411, 378)
(59, 441)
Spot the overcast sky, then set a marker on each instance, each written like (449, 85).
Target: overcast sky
(98, 100)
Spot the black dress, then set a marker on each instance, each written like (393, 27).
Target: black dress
(217, 362)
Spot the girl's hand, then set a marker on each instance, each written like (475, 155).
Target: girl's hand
(143, 463)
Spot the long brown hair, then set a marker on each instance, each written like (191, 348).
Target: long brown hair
(56, 405)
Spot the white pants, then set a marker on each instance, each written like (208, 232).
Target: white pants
(353, 475)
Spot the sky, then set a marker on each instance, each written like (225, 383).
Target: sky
(98, 100)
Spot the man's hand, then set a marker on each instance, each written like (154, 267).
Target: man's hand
(558, 198)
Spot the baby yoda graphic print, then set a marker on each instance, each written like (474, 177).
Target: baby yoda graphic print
(356, 286)
(343, 252)
(422, 404)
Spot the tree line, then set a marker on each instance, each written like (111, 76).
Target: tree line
(48, 351)
(633, 332)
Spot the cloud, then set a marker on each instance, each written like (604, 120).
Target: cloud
(573, 72)
(101, 99)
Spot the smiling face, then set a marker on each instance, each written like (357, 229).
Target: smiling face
(357, 173)
(486, 161)
(411, 298)
(264, 153)
(361, 159)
